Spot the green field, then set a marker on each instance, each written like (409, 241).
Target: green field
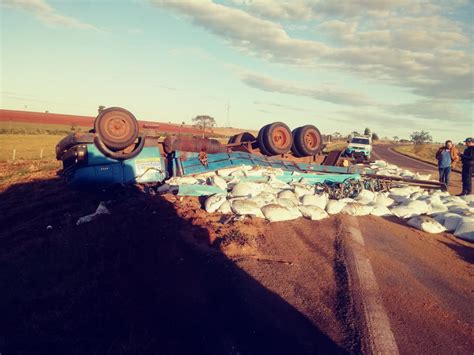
(28, 146)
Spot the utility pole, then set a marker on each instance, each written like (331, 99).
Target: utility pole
(227, 107)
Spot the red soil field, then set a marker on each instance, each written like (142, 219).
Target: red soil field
(83, 121)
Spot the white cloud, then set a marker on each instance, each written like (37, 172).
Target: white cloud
(278, 10)
(429, 62)
(281, 106)
(246, 32)
(306, 9)
(48, 14)
(442, 110)
(321, 93)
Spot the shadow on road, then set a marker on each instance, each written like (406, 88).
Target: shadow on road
(465, 253)
(129, 283)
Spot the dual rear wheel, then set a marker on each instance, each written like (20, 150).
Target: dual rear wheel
(277, 138)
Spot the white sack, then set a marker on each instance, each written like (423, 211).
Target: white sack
(277, 213)
(453, 200)
(437, 208)
(380, 210)
(426, 224)
(246, 207)
(403, 211)
(468, 198)
(365, 197)
(465, 229)
(301, 190)
(101, 210)
(451, 221)
(357, 209)
(383, 200)
(185, 180)
(217, 181)
(335, 206)
(249, 189)
(313, 212)
(315, 200)
(225, 208)
(418, 207)
(263, 198)
(214, 202)
(288, 202)
(287, 194)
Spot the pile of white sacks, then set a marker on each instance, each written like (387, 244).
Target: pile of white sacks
(432, 211)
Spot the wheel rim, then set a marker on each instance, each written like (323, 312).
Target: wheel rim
(311, 140)
(280, 137)
(116, 126)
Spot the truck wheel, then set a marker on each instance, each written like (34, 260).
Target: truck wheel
(260, 142)
(116, 127)
(244, 137)
(308, 140)
(277, 138)
(295, 150)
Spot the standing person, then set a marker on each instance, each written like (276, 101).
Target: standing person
(467, 159)
(447, 157)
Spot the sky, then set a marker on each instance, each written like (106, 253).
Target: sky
(394, 66)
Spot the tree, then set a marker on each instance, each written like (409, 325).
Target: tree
(420, 137)
(367, 132)
(101, 108)
(395, 139)
(375, 137)
(204, 122)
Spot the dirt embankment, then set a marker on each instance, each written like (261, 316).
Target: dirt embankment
(160, 276)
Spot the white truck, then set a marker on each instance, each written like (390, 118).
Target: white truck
(359, 147)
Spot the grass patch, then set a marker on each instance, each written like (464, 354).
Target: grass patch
(28, 146)
(339, 145)
(12, 127)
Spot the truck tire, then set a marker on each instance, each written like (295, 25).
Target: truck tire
(244, 137)
(120, 155)
(277, 138)
(116, 127)
(308, 140)
(260, 142)
(295, 150)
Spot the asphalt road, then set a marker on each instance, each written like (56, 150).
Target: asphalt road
(427, 286)
(386, 152)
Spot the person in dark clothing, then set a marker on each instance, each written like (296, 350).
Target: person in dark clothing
(467, 159)
(447, 157)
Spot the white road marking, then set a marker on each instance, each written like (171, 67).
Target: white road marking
(381, 338)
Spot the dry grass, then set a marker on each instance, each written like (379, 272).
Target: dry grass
(8, 127)
(425, 152)
(28, 146)
(232, 131)
(339, 145)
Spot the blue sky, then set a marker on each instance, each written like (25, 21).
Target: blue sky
(395, 66)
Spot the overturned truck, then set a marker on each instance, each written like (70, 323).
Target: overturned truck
(115, 151)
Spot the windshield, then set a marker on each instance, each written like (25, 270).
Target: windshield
(360, 141)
